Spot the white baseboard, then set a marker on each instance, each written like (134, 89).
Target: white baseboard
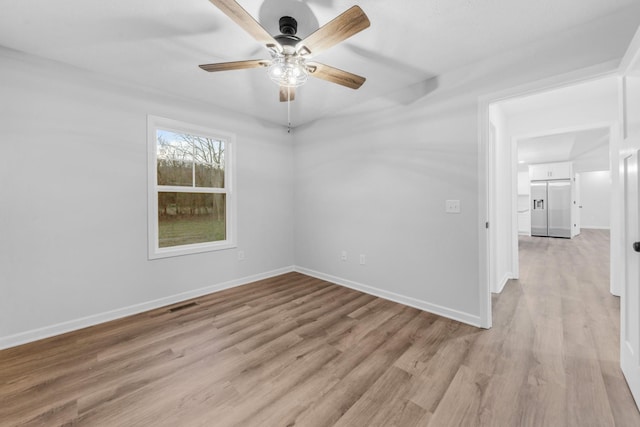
(595, 227)
(503, 282)
(72, 325)
(391, 296)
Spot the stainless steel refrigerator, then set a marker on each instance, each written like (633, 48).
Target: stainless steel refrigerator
(551, 208)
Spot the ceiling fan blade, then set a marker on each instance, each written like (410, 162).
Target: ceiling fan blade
(287, 93)
(341, 28)
(241, 17)
(236, 65)
(335, 75)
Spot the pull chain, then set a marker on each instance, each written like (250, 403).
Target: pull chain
(289, 109)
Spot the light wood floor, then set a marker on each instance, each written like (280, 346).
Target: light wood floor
(296, 351)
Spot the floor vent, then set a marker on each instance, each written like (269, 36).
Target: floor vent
(183, 306)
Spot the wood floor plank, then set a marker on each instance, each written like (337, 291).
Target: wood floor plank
(435, 338)
(357, 381)
(306, 395)
(400, 412)
(391, 386)
(433, 375)
(272, 386)
(297, 351)
(462, 402)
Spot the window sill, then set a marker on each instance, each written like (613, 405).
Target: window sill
(159, 253)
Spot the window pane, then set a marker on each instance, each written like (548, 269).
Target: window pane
(175, 159)
(183, 157)
(186, 218)
(209, 162)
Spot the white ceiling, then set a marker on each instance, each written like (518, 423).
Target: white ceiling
(570, 146)
(587, 146)
(602, 89)
(160, 43)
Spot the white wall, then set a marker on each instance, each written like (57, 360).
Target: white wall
(374, 180)
(502, 220)
(371, 180)
(73, 213)
(582, 115)
(596, 160)
(595, 198)
(376, 185)
(524, 203)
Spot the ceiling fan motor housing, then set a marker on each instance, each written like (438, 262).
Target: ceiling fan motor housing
(288, 26)
(288, 39)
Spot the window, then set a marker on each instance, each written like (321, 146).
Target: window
(191, 200)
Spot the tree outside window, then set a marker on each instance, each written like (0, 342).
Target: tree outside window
(191, 188)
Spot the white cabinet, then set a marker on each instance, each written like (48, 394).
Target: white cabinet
(561, 170)
(548, 171)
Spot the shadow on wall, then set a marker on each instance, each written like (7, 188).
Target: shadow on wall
(412, 93)
(380, 116)
(426, 82)
(411, 162)
(100, 30)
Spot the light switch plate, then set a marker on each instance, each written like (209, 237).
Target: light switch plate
(452, 206)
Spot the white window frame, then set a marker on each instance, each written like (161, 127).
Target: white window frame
(153, 124)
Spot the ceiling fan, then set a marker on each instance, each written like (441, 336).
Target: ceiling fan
(289, 66)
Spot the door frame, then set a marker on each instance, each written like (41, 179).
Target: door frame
(487, 163)
(630, 146)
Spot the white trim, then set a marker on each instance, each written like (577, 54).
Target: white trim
(628, 144)
(154, 251)
(502, 283)
(92, 320)
(179, 189)
(391, 296)
(485, 198)
(598, 71)
(72, 325)
(486, 204)
(515, 256)
(595, 227)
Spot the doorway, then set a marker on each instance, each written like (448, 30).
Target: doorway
(624, 149)
(573, 125)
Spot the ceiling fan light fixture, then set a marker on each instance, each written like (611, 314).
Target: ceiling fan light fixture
(288, 67)
(288, 70)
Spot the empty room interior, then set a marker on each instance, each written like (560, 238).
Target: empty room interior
(319, 213)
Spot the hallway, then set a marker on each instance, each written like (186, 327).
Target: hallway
(561, 307)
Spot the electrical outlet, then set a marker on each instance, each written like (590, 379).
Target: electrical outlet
(452, 206)
(240, 255)
(343, 256)
(363, 259)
